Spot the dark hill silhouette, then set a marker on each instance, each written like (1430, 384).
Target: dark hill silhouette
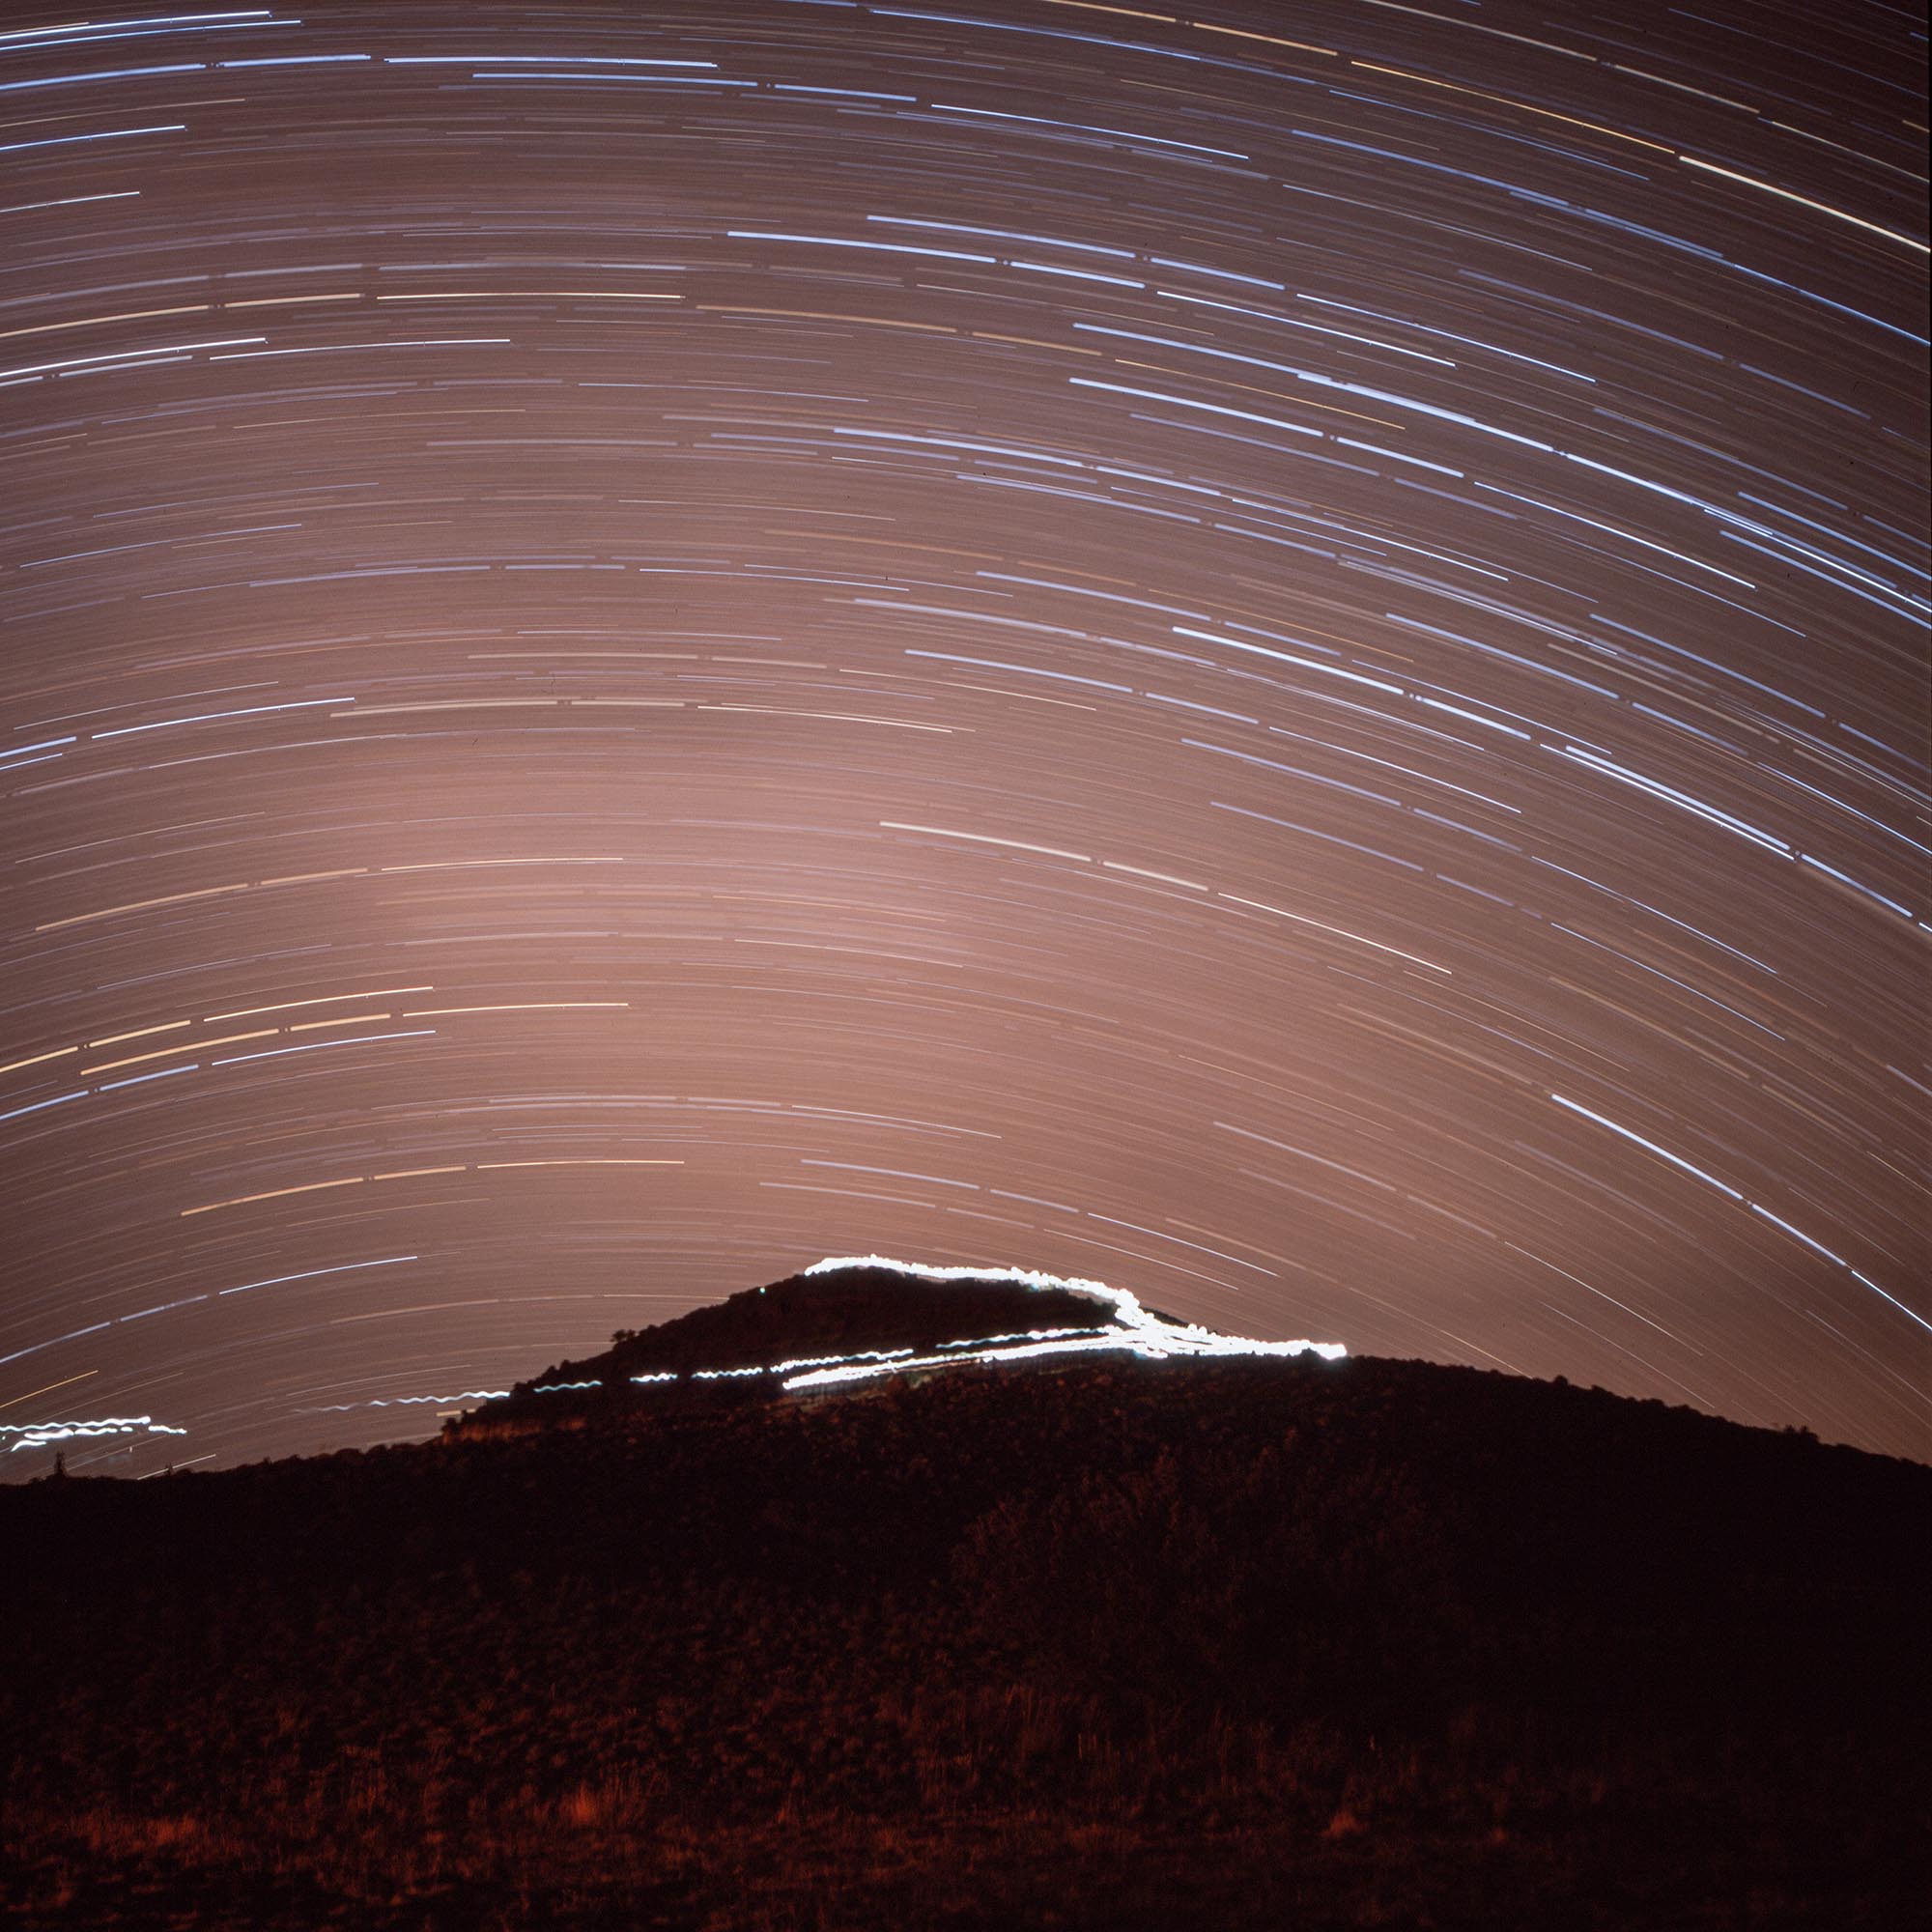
(859, 1316)
(1096, 1641)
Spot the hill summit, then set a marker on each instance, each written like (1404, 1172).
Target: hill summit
(863, 1319)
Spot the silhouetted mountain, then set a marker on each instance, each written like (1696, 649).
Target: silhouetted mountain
(1089, 1640)
(850, 1312)
(845, 1320)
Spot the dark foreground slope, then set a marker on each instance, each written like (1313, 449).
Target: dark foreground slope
(1245, 1644)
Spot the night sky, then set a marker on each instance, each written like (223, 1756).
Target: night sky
(1276, 656)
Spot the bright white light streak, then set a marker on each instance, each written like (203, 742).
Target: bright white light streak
(1136, 1330)
(1805, 201)
(318, 1046)
(118, 73)
(19, 1113)
(73, 140)
(984, 838)
(310, 1274)
(217, 716)
(71, 201)
(141, 1079)
(1133, 1329)
(346, 348)
(410, 1400)
(536, 60)
(37, 1435)
(258, 15)
(1683, 800)
(1190, 403)
(295, 60)
(1797, 1233)
(126, 354)
(1663, 1154)
(1339, 932)
(1284, 657)
(1907, 1313)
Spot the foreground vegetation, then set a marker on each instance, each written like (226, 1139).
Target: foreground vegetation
(1231, 1644)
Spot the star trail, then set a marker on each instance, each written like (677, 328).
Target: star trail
(1274, 656)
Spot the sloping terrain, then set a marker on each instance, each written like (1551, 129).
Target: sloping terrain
(1100, 1643)
(854, 1319)
(838, 1314)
